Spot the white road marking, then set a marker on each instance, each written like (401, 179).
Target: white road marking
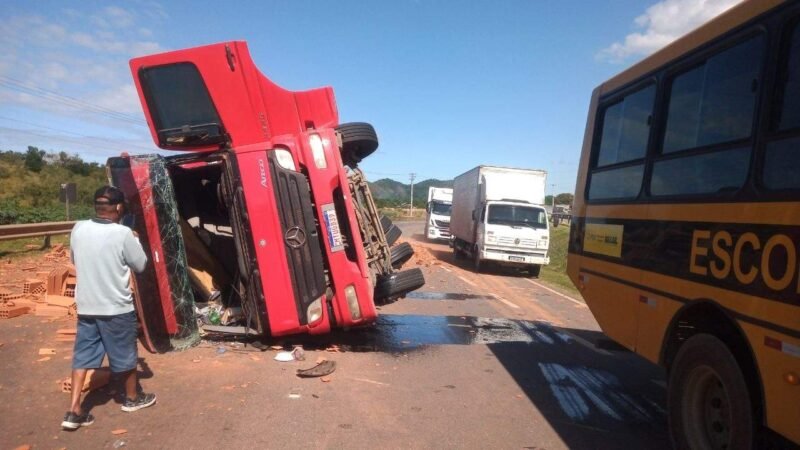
(466, 281)
(507, 302)
(577, 302)
(585, 343)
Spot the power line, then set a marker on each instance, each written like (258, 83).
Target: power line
(109, 141)
(98, 150)
(19, 86)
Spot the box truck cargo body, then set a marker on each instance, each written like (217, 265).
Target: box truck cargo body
(498, 215)
(437, 219)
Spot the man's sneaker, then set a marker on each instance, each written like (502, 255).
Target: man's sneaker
(74, 421)
(142, 401)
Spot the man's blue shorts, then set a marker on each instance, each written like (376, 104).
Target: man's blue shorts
(101, 335)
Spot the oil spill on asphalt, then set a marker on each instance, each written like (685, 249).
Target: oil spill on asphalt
(398, 333)
(416, 295)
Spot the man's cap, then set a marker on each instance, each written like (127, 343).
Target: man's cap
(108, 195)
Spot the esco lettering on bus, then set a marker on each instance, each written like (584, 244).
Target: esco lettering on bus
(728, 258)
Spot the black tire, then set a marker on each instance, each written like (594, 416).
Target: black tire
(386, 222)
(534, 270)
(477, 264)
(392, 234)
(398, 284)
(705, 378)
(401, 253)
(359, 140)
(457, 253)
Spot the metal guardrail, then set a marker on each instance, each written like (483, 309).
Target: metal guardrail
(29, 230)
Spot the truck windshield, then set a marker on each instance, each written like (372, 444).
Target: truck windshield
(524, 216)
(441, 209)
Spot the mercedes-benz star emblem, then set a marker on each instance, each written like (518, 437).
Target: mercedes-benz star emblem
(295, 237)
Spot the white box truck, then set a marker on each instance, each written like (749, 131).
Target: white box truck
(437, 219)
(498, 215)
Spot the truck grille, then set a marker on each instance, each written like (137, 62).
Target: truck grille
(300, 235)
(531, 243)
(442, 224)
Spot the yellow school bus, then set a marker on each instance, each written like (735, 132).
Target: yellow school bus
(686, 223)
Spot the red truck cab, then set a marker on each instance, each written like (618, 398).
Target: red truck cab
(265, 208)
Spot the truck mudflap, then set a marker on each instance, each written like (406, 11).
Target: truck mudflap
(390, 285)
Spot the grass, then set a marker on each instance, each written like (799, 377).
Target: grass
(401, 214)
(19, 248)
(555, 273)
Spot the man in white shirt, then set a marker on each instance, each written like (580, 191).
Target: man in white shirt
(104, 253)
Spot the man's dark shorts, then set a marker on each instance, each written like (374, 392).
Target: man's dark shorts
(101, 335)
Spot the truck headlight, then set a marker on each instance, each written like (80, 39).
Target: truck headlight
(490, 237)
(285, 159)
(543, 243)
(318, 151)
(352, 302)
(314, 311)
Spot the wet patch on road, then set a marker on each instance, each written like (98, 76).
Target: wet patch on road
(417, 295)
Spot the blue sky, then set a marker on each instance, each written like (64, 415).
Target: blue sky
(447, 84)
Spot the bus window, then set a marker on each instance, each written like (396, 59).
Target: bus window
(706, 173)
(714, 102)
(782, 157)
(623, 138)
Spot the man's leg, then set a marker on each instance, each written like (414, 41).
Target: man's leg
(130, 385)
(78, 378)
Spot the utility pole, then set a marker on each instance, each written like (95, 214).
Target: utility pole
(553, 186)
(411, 176)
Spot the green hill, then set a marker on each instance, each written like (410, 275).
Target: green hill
(30, 184)
(390, 192)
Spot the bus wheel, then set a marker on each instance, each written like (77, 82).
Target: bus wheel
(359, 140)
(709, 402)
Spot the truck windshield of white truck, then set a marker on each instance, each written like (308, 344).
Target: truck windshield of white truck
(441, 209)
(514, 215)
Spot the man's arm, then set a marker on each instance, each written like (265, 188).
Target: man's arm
(133, 252)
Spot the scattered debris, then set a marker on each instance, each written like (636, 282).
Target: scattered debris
(119, 443)
(119, 431)
(298, 353)
(325, 378)
(47, 351)
(324, 368)
(46, 358)
(284, 356)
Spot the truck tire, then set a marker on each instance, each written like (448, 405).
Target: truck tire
(477, 264)
(400, 254)
(359, 140)
(709, 402)
(534, 270)
(386, 222)
(398, 284)
(392, 234)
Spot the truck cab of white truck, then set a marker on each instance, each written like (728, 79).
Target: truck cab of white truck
(437, 219)
(498, 216)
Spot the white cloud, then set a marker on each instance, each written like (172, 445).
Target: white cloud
(70, 67)
(661, 24)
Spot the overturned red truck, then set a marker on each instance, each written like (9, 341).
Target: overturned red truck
(265, 208)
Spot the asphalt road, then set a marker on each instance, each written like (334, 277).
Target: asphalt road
(493, 360)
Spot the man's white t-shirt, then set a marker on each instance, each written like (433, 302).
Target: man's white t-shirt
(104, 254)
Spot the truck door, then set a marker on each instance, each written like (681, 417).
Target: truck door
(163, 296)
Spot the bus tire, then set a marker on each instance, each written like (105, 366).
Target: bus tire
(359, 140)
(705, 381)
(392, 234)
(534, 270)
(398, 284)
(401, 253)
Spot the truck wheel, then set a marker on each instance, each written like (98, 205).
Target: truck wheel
(359, 140)
(400, 254)
(386, 222)
(477, 265)
(709, 402)
(398, 284)
(392, 234)
(534, 269)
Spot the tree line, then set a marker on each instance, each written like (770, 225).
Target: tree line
(30, 183)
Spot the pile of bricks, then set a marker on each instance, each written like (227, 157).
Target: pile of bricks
(52, 294)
